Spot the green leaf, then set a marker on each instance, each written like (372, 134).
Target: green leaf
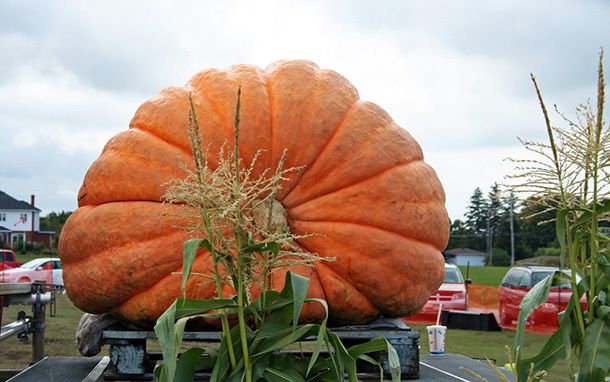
(561, 229)
(221, 367)
(164, 329)
(188, 307)
(295, 288)
(285, 337)
(320, 338)
(603, 206)
(259, 365)
(374, 362)
(603, 312)
(595, 358)
(342, 360)
(375, 345)
(295, 361)
(190, 253)
(285, 374)
(553, 351)
(189, 362)
(532, 300)
(159, 373)
(268, 246)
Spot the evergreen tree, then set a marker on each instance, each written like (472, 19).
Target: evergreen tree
(495, 208)
(537, 226)
(459, 235)
(476, 220)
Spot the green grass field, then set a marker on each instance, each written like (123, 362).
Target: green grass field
(485, 275)
(25, 257)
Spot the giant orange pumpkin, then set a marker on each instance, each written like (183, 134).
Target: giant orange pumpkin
(365, 188)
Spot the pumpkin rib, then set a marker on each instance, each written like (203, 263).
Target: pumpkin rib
(354, 261)
(182, 149)
(344, 187)
(308, 105)
(122, 245)
(225, 123)
(421, 241)
(200, 91)
(195, 289)
(270, 102)
(139, 280)
(116, 248)
(332, 135)
(321, 264)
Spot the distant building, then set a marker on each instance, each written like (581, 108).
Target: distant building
(466, 256)
(20, 221)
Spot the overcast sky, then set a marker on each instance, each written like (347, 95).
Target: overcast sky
(455, 74)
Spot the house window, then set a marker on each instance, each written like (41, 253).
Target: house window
(2, 217)
(16, 238)
(23, 218)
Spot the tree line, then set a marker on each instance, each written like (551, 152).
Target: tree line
(486, 227)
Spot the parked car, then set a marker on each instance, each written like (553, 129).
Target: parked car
(8, 260)
(517, 282)
(43, 269)
(452, 294)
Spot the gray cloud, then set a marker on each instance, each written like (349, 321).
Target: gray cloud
(455, 74)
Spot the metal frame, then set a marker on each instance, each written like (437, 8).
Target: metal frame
(129, 359)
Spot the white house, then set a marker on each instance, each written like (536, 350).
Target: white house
(466, 256)
(20, 221)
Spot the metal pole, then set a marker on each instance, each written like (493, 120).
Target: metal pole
(38, 325)
(13, 328)
(487, 249)
(512, 233)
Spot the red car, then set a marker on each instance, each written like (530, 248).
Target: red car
(517, 282)
(7, 259)
(44, 269)
(452, 294)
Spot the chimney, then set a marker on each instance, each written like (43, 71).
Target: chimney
(33, 197)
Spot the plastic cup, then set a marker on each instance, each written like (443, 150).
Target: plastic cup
(436, 337)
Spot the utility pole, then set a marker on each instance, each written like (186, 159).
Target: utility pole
(489, 236)
(512, 231)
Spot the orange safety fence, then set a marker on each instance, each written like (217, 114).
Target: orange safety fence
(483, 296)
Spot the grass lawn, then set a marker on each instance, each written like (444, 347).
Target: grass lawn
(25, 257)
(59, 335)
(485, 275)
(61, 329)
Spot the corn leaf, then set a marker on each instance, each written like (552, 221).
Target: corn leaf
(190, 253)
(375, 345)
(595, 359)
(532, 300)
(189, 307)
(190, 361)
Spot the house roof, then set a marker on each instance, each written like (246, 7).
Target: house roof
(4, 229)
(7, 202)
(465, 252)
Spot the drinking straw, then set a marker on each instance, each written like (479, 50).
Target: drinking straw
(438, 316)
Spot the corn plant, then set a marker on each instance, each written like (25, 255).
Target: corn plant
(243, 229)
(570, 176)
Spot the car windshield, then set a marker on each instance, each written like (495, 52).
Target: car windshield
(33, 264)
(453, 275)
(539, 276)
